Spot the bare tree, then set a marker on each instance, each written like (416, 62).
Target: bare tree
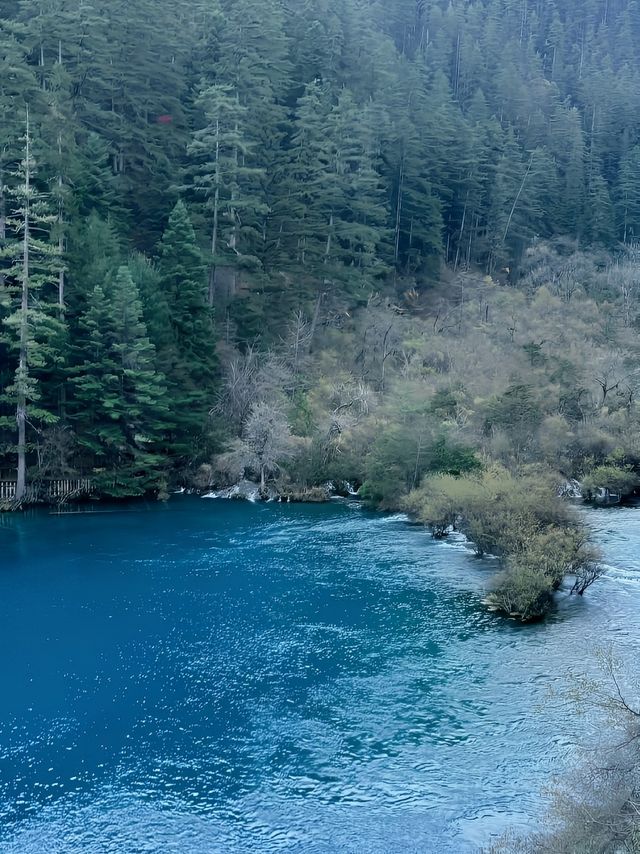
(587, 573)
(298, 341)
(624, 277)
(239, 386)
(609, 374)
(350, 401)
(249, 378)
(381, 339)
(267, 440)
(596, 808)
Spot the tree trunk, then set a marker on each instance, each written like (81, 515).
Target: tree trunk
(3, 217)
(462, 225)
(314, 322)
(61, 276)
(21, 380)
(327, 249)
(396, 249)
(21, 419)
(216, 214)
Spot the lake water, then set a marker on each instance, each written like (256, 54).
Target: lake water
(210, 676)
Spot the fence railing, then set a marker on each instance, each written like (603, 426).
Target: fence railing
(53, 489)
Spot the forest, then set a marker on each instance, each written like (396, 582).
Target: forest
(390, 246)
(187, 185)
(343, 243)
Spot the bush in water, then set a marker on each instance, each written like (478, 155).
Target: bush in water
(522, 520)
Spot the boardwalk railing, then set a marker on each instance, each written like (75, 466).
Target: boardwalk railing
(59, 490)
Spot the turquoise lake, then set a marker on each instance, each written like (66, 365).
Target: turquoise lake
(212, 676)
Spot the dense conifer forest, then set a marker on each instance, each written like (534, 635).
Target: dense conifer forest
(183, 184)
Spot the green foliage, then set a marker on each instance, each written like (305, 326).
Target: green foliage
(301, 416)
(403, 454)
(188, 355)
(520, 519)
(120, 410)
(444, 404)
(326, 153)
(619, 481)
(33, 322)
(516, 413)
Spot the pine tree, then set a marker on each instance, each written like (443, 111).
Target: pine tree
(218, 152)
(509, 217)
(316, 37)
(601, 224)
(95, 253)
(254, 62)
(360, 213)
(416, 211)
(95, 184)
(155, 308)
(97, 388)
(121, 407)
(31, 265)
(567, 146)
(17, 86)
(628, 196)
(191, 374)
(310, 187)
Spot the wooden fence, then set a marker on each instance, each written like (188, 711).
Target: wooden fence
(57, 490)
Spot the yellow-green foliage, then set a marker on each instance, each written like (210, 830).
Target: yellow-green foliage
(621, 481)
(497, 510)
(519, 518)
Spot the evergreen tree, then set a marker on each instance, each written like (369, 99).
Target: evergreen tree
(219, 151)
(254, 63)
(515, 205)
(30, 265)
(191, 373)
(628, 196)
(310, 185)
(362, 216)
(155, 309)
(94, 255)
(601, 223)
(121, 408)
(17, 86)
(416, 210)
(566, 143)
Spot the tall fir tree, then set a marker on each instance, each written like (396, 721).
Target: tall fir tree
(121, 406)
(628, 196)
(221, 178)
(34, 329)
(191, 367)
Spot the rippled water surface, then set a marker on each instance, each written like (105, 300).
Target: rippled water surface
(210, 676)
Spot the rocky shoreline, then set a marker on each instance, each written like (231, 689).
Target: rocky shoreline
(248, 490)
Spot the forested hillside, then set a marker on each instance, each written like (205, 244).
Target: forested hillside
(185, 185)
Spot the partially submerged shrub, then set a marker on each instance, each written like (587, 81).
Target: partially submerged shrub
(525, 588)
(520, 519)
(522, 590)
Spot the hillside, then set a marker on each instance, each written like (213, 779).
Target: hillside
(187, 176)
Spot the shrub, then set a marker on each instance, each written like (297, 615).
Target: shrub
(621, 481)
(520, 519)
(400, 457)
(522, 590)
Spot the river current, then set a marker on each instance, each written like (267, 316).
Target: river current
(213, 676)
